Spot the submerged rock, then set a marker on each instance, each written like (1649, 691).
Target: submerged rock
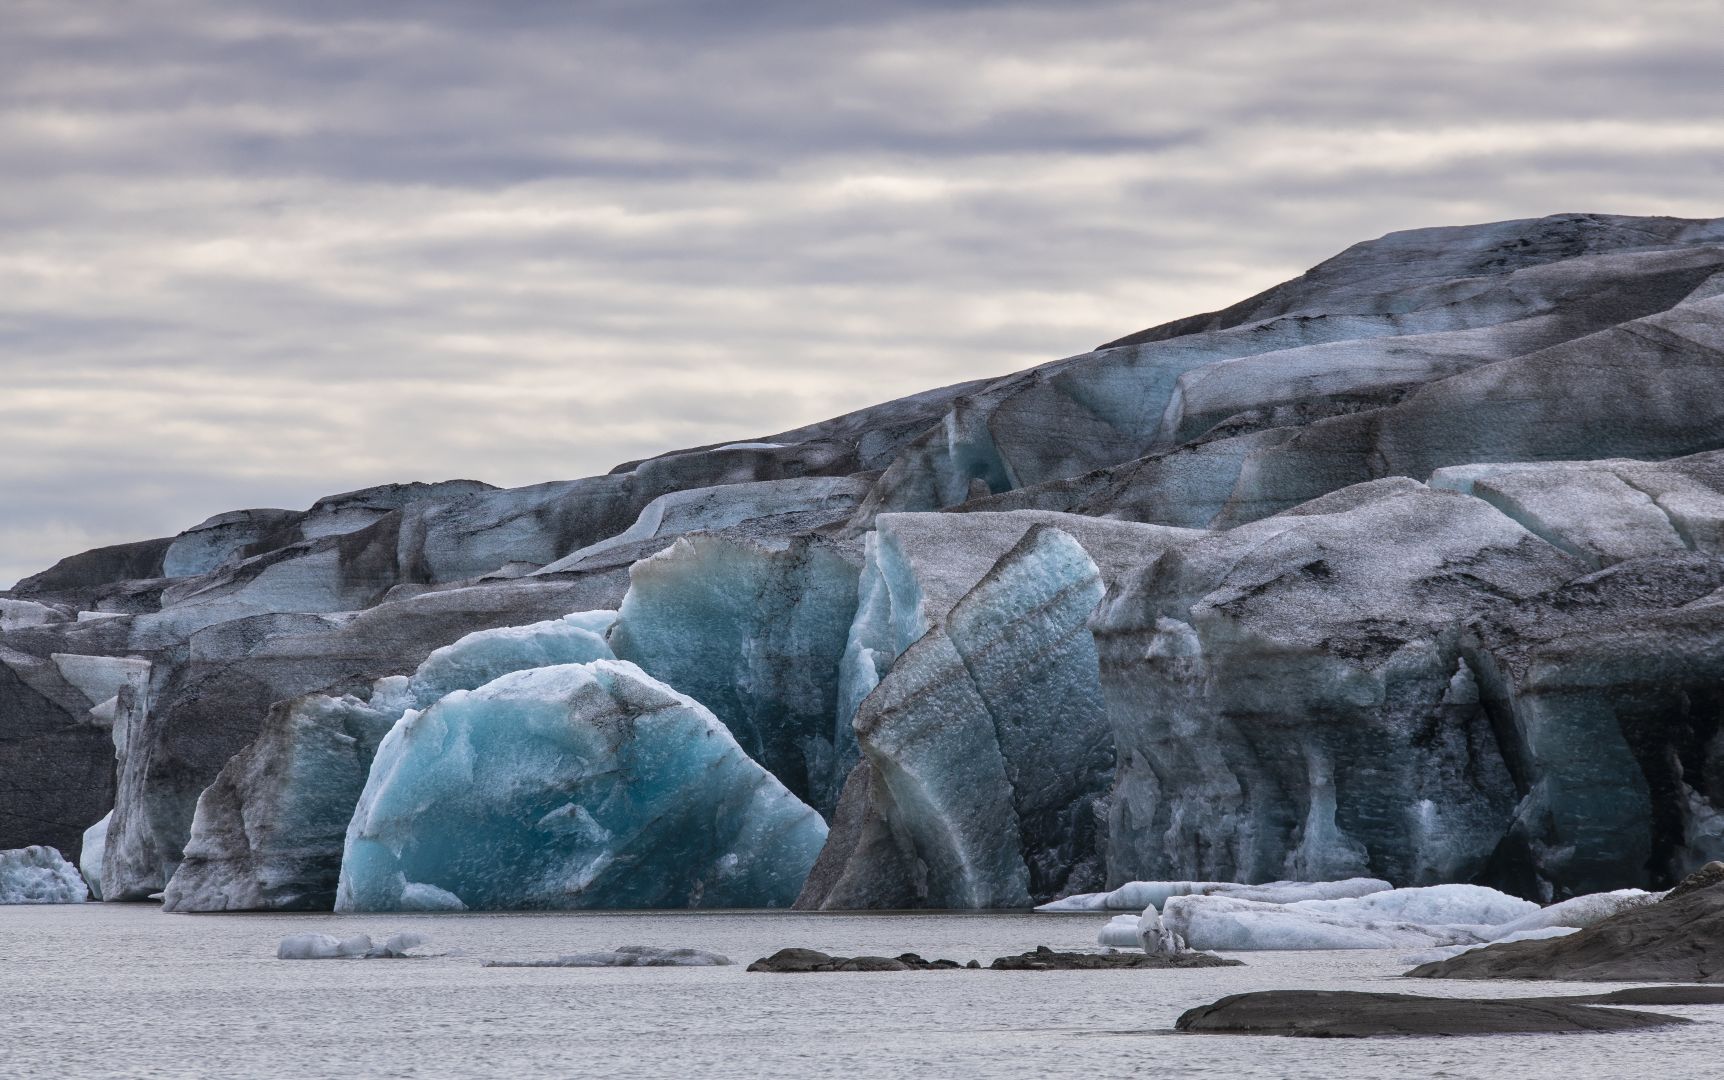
(624, 956)
(1353, 1014)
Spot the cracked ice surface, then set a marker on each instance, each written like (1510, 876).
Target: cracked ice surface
(576, 786)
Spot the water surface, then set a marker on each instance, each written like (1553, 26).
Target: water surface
(123, 990)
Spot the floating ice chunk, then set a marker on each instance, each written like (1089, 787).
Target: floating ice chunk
(1145, 931)
(1120, 932)
(1430, 956)
(625, 956)
(1398, 918)
(1156, 937)
(321, 947)
(1468, 905)
(90, 855)
(418, 896)
(358, 946)
(1137, 895)
(1578, 913)
(39, 875)
(576, 786)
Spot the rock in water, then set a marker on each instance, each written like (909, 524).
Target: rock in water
(1678, 939)
(1351, 1014)
(38, 875)
(576, 786)
(803, 961)
(625, 956)
(1042, 958)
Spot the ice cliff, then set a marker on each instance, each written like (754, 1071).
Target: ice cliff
(1410, 569)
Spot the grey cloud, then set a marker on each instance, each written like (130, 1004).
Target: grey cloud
(254, 252)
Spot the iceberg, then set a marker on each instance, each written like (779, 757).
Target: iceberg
(1580, 912)
(268, 832)
(1145, 931)
(1138, 895)
(39, 875)
(90, 855)
(624, 956)
(1398, 918)
(575, 786)
(356, 947)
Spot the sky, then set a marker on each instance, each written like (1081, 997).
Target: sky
(252, 253)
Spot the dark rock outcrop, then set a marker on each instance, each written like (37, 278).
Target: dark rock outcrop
(802, 961)
(1351, 1014)
(1042, 958)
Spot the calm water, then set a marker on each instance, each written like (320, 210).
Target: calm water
(126, 991)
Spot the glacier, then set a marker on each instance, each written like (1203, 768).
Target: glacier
(574, 786)
(1408, 569)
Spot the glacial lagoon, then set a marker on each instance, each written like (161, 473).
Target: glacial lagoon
(125, 990)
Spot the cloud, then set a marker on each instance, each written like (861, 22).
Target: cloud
(256, 252)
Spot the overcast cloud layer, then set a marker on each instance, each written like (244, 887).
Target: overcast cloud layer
(254, 253)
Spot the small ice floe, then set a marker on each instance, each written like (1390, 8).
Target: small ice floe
(39, 875)
(624, 956)
(356, 947)
(1137, 895)
(1444, 918)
